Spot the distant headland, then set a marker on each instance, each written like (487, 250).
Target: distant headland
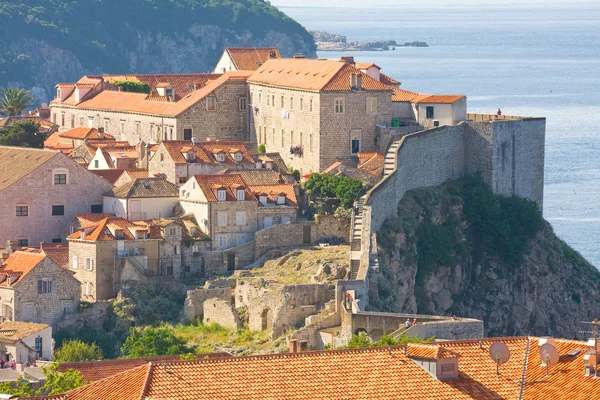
(326, 41)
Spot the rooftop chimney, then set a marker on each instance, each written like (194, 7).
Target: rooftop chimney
(353, 81)
(294, 346)
(272, 54)
(11, 245)
(359, 79)
(347, 59)
(100, 133)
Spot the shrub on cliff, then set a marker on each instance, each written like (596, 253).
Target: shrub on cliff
(76, 350)
(152, 341)
(345, 189)
(152, 304)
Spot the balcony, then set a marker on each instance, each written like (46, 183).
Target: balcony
(133, 252)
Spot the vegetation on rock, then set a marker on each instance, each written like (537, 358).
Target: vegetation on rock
(151, 341)
(345, 189)
(23, 134)
(72, 350)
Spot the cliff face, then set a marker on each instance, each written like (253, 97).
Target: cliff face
(51, 41)
(450, 252)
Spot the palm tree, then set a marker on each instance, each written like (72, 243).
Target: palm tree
(14, 100)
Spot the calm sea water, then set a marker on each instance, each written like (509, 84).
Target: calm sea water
(541, 61)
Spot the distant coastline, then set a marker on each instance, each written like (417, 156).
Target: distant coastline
(326, 41)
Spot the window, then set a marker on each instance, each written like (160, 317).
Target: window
(291, 138)
(96, 164)
(58, 210)
(106, 124)
(38, 346)
(96, 208)
(240, 218)
(242, 103)
(220, 157)
(88, 288)
(62, 119)
(211, 103)
(273, 100)
(187, 134)
(75, 265)
(263, 200)
(81, 119)
(72, 120)
(241, 194)
(175, 250)
(138, 128)
(89, 264)
(268, 100)
(221, 195)
(310, 141)
(90, 122)
(281, 101)
(171, 133)
(22, 211)
(222, 218)
(291, 103)
(44, 285)
(172, 231)
(60, 179)
(56, 240)
(54, 118)
(429, 112)
(182, 179)
(222, 241)
(22, 242)
(241, 239)
(238, 156)
(122, 127)
(371, 105)
(259, 134)
(300, 139)
(29, 312)
(273, 138)
(310, 105)
(259, 98)
(301, 101)
(355, 142)
(339, 105)
(67, 308)
(282, 132)
(281, 199)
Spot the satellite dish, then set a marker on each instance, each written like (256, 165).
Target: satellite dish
(549, 354)
(44, 105)
(499, 353)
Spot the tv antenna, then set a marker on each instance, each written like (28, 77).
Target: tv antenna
(549, 356)
(500, 354)
(594, 360)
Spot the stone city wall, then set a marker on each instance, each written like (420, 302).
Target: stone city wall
(221, 312)
(194, 301)
(92, 317)
(462, 328)
(385, 135)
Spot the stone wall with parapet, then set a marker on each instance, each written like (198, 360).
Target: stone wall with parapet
(292, 235)
(463, 328)
(385, 135)
(222, 312)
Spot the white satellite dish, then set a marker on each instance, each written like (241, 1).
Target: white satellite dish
(549, 356)
(500, 354)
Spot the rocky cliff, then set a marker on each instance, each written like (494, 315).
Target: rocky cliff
(458, 249)
(49, 41)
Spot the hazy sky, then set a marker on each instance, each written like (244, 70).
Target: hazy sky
(430, 3)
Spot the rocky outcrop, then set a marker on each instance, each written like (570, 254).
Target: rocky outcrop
(433, 260)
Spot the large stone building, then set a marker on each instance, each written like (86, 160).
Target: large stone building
(316, 112)
(178, 107)
(40, 191)
(34, 288)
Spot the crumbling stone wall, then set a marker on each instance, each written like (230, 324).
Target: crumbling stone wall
(92, 317)
(194, 302)
(222, 312)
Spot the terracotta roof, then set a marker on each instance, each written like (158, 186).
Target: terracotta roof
(136, 173)
(250, 59)
(310, 74)
(273, 190)
(121, 151)
(384, 373)
(260, 176)
(182, 83)
(372, 163)
(18, 265)
(18, 162)
(403, 95)
(57, 252)
(12, 120)
(11, 331)
(388, 80)
(365, 65)
(85, 133)
(437, 98)
(112, 100)
(429, 351)
(103, 229)
(205, 151)
(110, 175)
(52, 141)
(209, 183)
(145, 188)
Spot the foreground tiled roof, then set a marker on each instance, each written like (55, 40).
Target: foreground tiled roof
(310, 74)
(11, 331)
(18, 162)
(373, 164)
(145, 188)
(403, 95)
(385, 373)
(250, 59)
(18, 265)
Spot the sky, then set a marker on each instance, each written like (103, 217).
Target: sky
(430, 3)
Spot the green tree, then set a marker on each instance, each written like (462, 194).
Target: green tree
(362, 341)
(14, 100)
(151, 341)
(57, 383)
(262, 149)
(20, 388)
(23, 134)
(76, 350)
(346, 189)
(130, 86)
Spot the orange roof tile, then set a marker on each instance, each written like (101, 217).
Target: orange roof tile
(209, 183)
(85, 133)
(57, 252)
(19, 264)
(250, 59)
(128, 385)
(365, 65)
(388, 80)
(437, 98)
(310, 74)
(403, 95)
(273, 190)
(428, 351)
(111, 175)
(205, 150)
(182, 83)
(52, 141)
(102, 230)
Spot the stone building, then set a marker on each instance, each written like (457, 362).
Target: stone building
(230, 211)
(178, 107)
(178, 160)
(40, 192)
(109, 253)
(244, 59)
(68, 140)
(114, 157)
(24, 342)
(34, 289)
(142, 198)
(316, 112)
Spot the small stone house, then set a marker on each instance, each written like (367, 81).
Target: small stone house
(244, 59)
(115, 157)
(40, 192)
(33, 288)
(179, 160)
(277, 204)
(24, 342)
(142, 198)
(72, 138)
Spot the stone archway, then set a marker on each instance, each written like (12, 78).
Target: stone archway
(375, 334)
(358, 331)
(266, 319)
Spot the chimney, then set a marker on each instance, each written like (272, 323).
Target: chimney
(294, 346)
(154, 231)
(347, 59)
(197, 86)
(100, 133)
(3, 257)
(272, 54)
(143, 155)
(11, 245)
(81, 233)
(359, 79)
(353, 81)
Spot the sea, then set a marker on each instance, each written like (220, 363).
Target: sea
(525, 60)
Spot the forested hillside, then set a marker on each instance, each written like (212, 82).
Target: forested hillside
(48, 41)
